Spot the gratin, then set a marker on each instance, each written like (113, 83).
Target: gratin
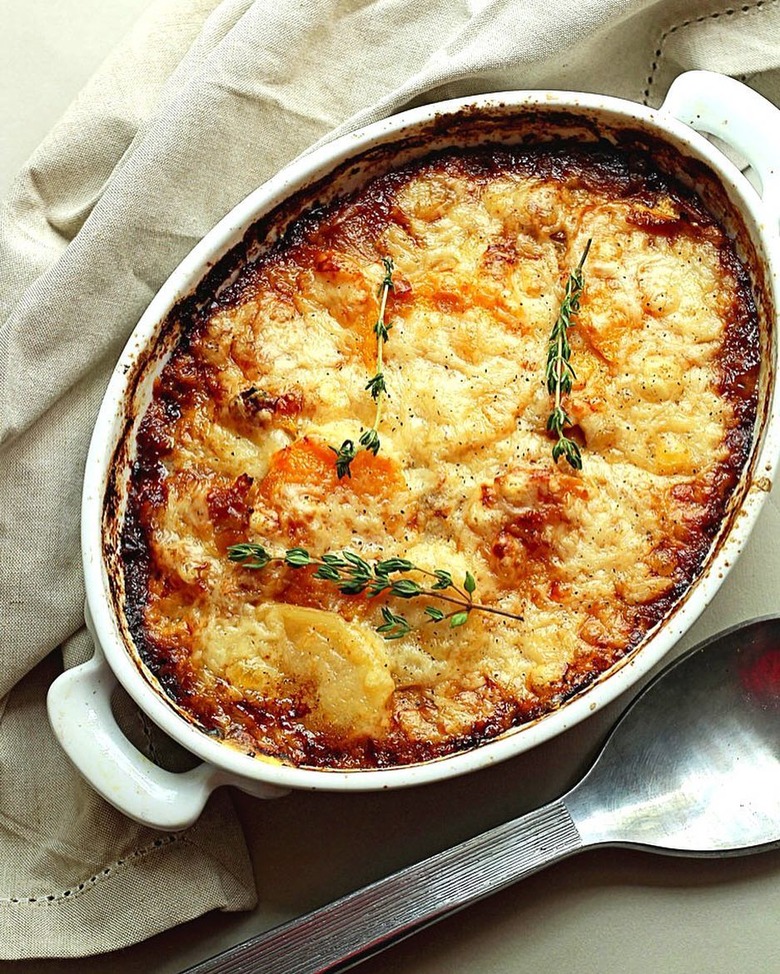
(238, 445)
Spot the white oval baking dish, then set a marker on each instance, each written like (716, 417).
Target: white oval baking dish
(79, 700)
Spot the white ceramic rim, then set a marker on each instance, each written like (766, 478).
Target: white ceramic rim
(182, 281)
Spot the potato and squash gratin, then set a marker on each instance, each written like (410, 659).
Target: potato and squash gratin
(347, 543)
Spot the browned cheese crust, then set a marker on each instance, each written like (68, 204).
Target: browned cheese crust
(236, 447)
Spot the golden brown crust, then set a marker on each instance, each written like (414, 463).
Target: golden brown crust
(236, 446)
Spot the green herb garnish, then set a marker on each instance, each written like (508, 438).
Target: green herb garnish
(559, 373)
(369, 439)
(390, 577)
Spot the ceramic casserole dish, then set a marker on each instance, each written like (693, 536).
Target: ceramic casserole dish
(698, 104)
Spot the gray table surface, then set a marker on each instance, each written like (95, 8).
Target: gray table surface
(609, 911)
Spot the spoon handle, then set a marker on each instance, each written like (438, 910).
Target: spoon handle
(365, 922)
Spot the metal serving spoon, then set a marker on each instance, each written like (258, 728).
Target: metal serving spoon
(692, 768)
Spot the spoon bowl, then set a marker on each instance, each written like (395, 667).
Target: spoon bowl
(691, 768)
(693, 765)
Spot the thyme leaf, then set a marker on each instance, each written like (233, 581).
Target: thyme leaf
(376, 386)
(249, 555)
(395, 626)
(559, 374)
(370, 441)
(390, 577)
(345, 454)
(297, 557)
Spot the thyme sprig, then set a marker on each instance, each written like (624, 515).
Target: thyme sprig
(389, 577)
(559, 373)
(369, 439)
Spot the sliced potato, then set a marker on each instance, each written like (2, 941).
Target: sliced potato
(340, 669)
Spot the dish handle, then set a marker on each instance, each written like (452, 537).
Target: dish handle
(720, 106)
(79, 706)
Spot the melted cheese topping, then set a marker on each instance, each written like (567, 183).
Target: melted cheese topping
(238, 442)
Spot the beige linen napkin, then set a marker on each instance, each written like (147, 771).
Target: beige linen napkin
(202, 103)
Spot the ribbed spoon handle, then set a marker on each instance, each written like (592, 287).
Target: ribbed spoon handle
(363, 923)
